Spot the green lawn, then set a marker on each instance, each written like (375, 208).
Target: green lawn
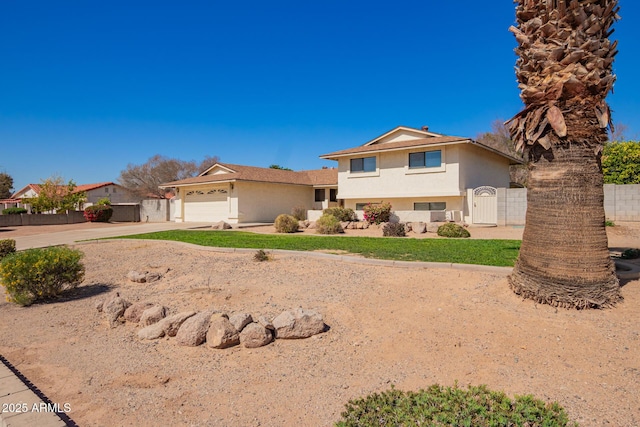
(463, 251)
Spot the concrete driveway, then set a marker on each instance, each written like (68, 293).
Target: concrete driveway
(35, 236)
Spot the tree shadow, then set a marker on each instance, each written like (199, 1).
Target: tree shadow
(82, 292)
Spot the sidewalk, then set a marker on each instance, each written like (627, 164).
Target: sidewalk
(50, 237)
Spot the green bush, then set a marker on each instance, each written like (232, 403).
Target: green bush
(341, 214)
(631, 253)
(377, 213)
(393, 229)
(328, 224)
(299, 213)
(37, 274)
(453, 230)
(452, 406)
(105, 201)
(98, 213)
(7, 246)
(286, 224)
(14, 211)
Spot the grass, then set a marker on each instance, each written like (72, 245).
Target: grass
(501, 253)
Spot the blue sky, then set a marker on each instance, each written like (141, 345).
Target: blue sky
(88, 87)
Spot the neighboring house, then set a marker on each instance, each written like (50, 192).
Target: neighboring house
(242, 194)
(94, 192)
(417, 170)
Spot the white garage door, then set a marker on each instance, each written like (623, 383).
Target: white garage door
(206, 205)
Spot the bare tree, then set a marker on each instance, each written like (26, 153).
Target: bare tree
(500, 139)
(145, 179)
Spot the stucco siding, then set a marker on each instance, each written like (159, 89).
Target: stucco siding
(482, 167)
(393, 178)
(263, 202)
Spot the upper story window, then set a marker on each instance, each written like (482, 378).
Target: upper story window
(425, 159)
(363, 164)
(333, 194)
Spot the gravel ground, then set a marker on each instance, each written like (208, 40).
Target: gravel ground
(388, 325)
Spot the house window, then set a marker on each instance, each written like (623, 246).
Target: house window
(114, 190)
(106, 189)
(429, 206)
(333, 195)
(319, 194)
(425, 159)
(363, 164)
(360, 206)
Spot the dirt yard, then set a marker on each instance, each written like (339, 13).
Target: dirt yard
(388, 325)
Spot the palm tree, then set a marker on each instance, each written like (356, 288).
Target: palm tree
(565, 73)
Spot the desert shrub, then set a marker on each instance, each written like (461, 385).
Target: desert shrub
(14, 211)
(341, 214)
(393, 229)
(105, 201)
(452, 406)
(451, 229)
(377, 213)
(299, 213)
(7, 246)
(98, 213)
(609, 223)
(328, 224)
(286, 224)
(37, 274)
(261, 255)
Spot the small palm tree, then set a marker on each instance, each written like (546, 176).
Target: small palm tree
(565, 73)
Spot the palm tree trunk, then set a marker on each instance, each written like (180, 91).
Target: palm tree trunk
(564, 258)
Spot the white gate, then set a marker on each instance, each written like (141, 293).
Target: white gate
(485, 205)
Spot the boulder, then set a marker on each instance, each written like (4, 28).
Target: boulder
(168, 326)
(312, 225)
(153, 315)
(432, 227)
(266, 323)
(255, 335)
(408, 227)
(303, 224)
(134, 312)
(114, 308)
(419, 227)
(240, 320)
(221, 225)
(143, 277)
(193, 331)
(298, 323)
(221, 333)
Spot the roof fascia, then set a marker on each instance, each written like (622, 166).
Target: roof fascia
(219, 165)
(427, 133)
(383, 150)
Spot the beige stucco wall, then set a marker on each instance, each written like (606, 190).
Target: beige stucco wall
(482, 167)
(263, 202)
(393, 178)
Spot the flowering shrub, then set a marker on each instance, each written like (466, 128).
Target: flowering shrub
(37, 274)
(377, 213)
(7, 246)
(98, 213)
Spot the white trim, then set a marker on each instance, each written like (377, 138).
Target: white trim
(383, 150)
(220, 166)
(399, 128)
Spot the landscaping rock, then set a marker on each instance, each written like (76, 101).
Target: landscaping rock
(299, 323)
(312, 225)
(303, 224)
(193, 331)
(420, 227)
(114, 308)
(153, 315)
(221, 333)
(265, 322)
(143, 277)
(134, 312)
(221, 226)
(432, 227)
(168, 326)
(255, 335)
(240, 320)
